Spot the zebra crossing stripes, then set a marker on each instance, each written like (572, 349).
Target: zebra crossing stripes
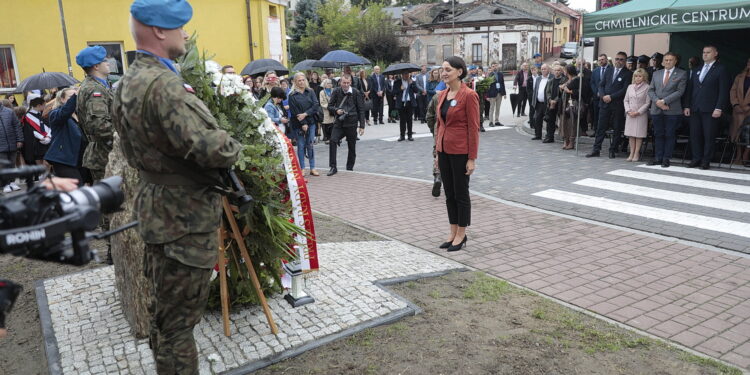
(683, 218)
(661, 200)
(670, 195)
(692, 182)
(700, 172)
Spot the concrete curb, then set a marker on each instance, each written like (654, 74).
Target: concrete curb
(48, 332)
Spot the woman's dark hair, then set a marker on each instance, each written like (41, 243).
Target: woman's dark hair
(278, 92)
(571, 70)
(457, 63)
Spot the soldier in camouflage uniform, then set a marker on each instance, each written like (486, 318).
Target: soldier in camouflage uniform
(172, 139)
(431, 118)
(92, 108)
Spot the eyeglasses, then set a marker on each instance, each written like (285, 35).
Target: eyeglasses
(619, 59)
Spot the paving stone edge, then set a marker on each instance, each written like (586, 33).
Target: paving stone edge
(48, 333)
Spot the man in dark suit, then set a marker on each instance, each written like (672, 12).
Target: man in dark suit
(611, 108)
(496, 93)
(405, 93)
(519, 84)
(596, 77)
(347, 105)
(377, 89)
(538, 101)
(421, 81)
(708, 94)
(390, 91)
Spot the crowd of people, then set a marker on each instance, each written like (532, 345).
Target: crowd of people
(640, 97)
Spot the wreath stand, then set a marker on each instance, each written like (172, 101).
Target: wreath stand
(235, 235)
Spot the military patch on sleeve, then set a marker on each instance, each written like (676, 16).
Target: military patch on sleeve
(96, 94)
(189, 88)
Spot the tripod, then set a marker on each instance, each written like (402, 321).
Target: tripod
(234, 235)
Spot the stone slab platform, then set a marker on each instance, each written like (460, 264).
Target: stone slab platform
(86, 332)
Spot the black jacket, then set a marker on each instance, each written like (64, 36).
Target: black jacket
(398, 93)
(494, 91)
(303, 103)
(354, 106)
(712, 93)
(615, 87)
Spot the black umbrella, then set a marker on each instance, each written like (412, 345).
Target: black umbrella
(401, 68)
(46, 80)
(341, 58)
(312, 64)
(259, 67)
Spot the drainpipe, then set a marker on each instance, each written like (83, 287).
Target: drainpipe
(65, 36)
(249, 29)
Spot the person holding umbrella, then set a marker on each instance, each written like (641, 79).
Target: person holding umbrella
(303, 106)
(405, 92)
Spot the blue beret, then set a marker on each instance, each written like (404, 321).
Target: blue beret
(91, 56)
(537, 55)
(166, 14)
(472, 67)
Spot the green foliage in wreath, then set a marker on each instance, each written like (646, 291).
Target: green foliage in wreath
(260, 169)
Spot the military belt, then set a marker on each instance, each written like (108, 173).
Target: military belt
(167, 179)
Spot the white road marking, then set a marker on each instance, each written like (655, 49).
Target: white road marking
(425, 135)
(700, 172)
(730, 188)
(692, 220)
(668, 195)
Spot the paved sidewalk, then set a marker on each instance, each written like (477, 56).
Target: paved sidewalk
(693, 296)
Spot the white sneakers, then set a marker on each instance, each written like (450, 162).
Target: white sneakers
(7, 189)
(11, 187)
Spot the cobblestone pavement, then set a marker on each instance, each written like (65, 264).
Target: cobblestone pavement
(677, 202)
(694, 296)
(93, 337)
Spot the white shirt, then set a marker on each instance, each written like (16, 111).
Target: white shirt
(406, 97)
(542, 86)
(667, 71)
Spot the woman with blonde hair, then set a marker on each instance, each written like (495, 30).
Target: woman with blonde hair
(303, 107)
(637, 103)
(324, 99)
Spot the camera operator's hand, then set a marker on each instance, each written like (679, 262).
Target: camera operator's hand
(339, 111)
(60, 183)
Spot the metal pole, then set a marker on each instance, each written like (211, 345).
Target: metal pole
(65, 36)
(580, 92)
(632, 45)
(453, 23)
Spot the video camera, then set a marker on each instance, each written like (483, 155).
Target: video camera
(35, 223)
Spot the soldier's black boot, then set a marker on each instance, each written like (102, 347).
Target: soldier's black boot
(109, 254)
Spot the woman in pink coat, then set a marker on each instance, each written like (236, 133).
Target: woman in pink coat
(637, 103)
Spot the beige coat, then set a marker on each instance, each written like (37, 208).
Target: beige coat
(327, 118)
(742, 101)
(637, 100)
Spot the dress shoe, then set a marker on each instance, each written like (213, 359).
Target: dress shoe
(436, 186)
(536, 138)
(694, 164)
(445, 245)
(332, 171)
(593, 154)
(523, 113)
(314, 172)
(499, 124)
(492, 125)
(411, 139)
(654, 162)
(612, 154)
(548, 140)
(705, 166)
(401, 138)
(481, 129)
(349, 168)
(459, 246)
(381, 122)
(665, 163)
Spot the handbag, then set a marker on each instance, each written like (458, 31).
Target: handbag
(368, 105)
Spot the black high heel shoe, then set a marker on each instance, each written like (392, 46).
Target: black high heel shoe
(459, 246)
(446, 245)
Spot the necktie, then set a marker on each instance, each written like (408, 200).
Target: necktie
(377, 78)
(617, 71)
(406, 93)
(666, 77)
(704, 71)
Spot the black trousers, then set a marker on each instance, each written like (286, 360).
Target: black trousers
(456, 186)
(405, 120)
(338, 133)
(531, 114)
(62, 170)
(421, 107)
(377, 107)
(327, 129)
(486, 107)
(551, 121)
(523, 96)
(539, 111)
(391, 106)
(594, 112)
(703, 129)
(612, 116)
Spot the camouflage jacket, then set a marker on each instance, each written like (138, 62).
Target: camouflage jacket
(171, 126)
(94, 101)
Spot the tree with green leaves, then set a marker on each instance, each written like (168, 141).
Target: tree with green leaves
(377, 38)
(305, 13)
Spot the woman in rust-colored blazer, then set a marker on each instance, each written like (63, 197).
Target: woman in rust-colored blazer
(457, 144)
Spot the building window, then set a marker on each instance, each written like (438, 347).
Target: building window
(447, 51)
(476, 53)
(8, 69)
(114, 58)
(534, 45)
(431, 54)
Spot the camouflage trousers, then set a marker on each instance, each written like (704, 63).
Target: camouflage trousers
(180, 294)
